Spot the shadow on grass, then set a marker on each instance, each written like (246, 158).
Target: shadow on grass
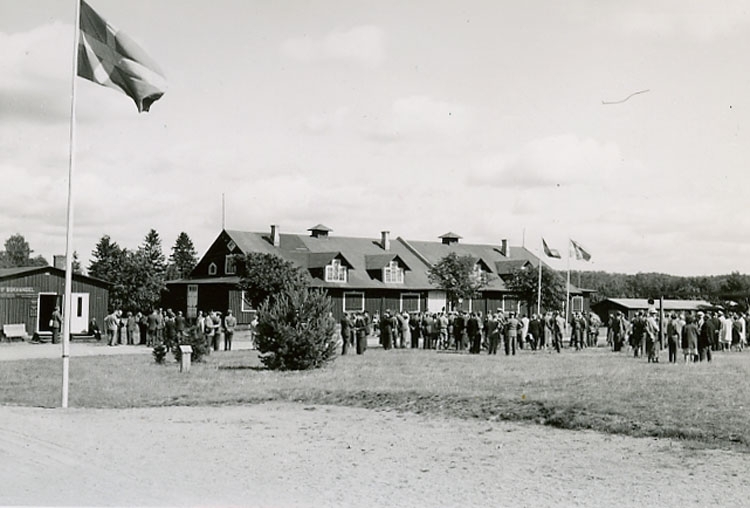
(257, 368)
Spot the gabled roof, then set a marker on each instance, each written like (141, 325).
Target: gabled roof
(511, 266)
(323, 259)
(9, 273)
(312, 252)
(380, 261)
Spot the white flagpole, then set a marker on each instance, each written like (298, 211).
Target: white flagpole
(567, 290)
(539, 285)
(68, 299)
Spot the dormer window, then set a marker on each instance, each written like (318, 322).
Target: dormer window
(335, 271)
(229, 267)
(393, 274)
(212, 269)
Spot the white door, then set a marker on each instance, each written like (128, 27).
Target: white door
(436, 301)
(79, 322)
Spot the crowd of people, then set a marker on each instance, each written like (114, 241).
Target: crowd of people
(697, 334)
(467, 331)
(160, 327)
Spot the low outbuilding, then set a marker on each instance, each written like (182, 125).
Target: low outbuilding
(29, 295)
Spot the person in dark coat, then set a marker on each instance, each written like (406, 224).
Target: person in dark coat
(535, 330)
(386, 330)
(472, 330)
(360, 331)
(428, 329)
(346, 332)
(705, 337)
(512, 328)
(414, 330)
(690, 336)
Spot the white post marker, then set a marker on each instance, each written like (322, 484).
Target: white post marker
(187, 352)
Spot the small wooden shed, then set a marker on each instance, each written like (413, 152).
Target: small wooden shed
(28, 296)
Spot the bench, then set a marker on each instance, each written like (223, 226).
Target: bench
(15, 332)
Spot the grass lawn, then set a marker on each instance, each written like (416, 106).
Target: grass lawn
(708, 404)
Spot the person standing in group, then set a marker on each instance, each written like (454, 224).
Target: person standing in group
(170, 331)
(690, 338)
(131, 329)
(216, 318)
(652, 337)
(428, 327)
(414, 330)
(386, 330)
(180, 325)
(56, 323)
(559, 330)
(536, 338)
(405, 331)
(208, 331)
(707, 331)
(230, 323)
(346, 332)
(111, 325)
(360, 332)
(142, 328)
(512, 329)
(493, 334)
(674, 336)
(153, 323)
(472, 330)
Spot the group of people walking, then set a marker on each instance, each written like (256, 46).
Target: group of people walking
(697, 334)
(160, 327)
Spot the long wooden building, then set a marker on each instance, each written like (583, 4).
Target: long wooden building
(29, 295)
(373, 274)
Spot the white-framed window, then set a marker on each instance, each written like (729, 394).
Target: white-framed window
(410, 302)
(192, 300)
(229, 266)
(212, 269)
(246, 306)
(354, 301)
(336, 272)
(576, 304)
(393, 274)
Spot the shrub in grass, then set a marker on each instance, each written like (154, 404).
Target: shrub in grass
(295, 331)
(159, 353)
(195, 339)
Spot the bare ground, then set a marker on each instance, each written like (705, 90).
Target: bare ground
(280, 454)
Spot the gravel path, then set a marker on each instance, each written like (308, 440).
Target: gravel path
(293, 456)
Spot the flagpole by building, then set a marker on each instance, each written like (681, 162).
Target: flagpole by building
(67, 298)
(567, 290)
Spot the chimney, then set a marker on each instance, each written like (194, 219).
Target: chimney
(385, 240)
(58, 261)
(275, 235)
(504, 247)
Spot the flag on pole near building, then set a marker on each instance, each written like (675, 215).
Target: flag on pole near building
(580, 252)
(553, 253)
(110, 58)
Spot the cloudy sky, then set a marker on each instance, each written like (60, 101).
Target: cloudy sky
(485, 118)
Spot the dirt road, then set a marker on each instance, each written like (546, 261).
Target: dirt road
(292, 455)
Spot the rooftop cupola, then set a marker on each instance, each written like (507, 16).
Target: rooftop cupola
(320, 231)
(450, 238)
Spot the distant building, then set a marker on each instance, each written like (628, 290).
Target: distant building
(372, 274)
(29, 295)
(630, 306)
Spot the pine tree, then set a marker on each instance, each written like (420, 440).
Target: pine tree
(151, 249)
(17, 253)
(183, 259)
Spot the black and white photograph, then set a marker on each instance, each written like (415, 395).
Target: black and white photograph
(418, 253)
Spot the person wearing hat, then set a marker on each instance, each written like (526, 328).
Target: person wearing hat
(652, 337)
(55, 323)
(707, 330)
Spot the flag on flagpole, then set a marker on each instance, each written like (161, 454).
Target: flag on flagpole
(580, 252)
(553, 253)
(110, 58)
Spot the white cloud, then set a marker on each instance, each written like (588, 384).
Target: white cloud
(363, 45)
(699, 19)
(420, 115)
(551, 161)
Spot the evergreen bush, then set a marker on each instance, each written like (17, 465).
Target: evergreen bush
(159, 352)
(195, 339)
(296, 331)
